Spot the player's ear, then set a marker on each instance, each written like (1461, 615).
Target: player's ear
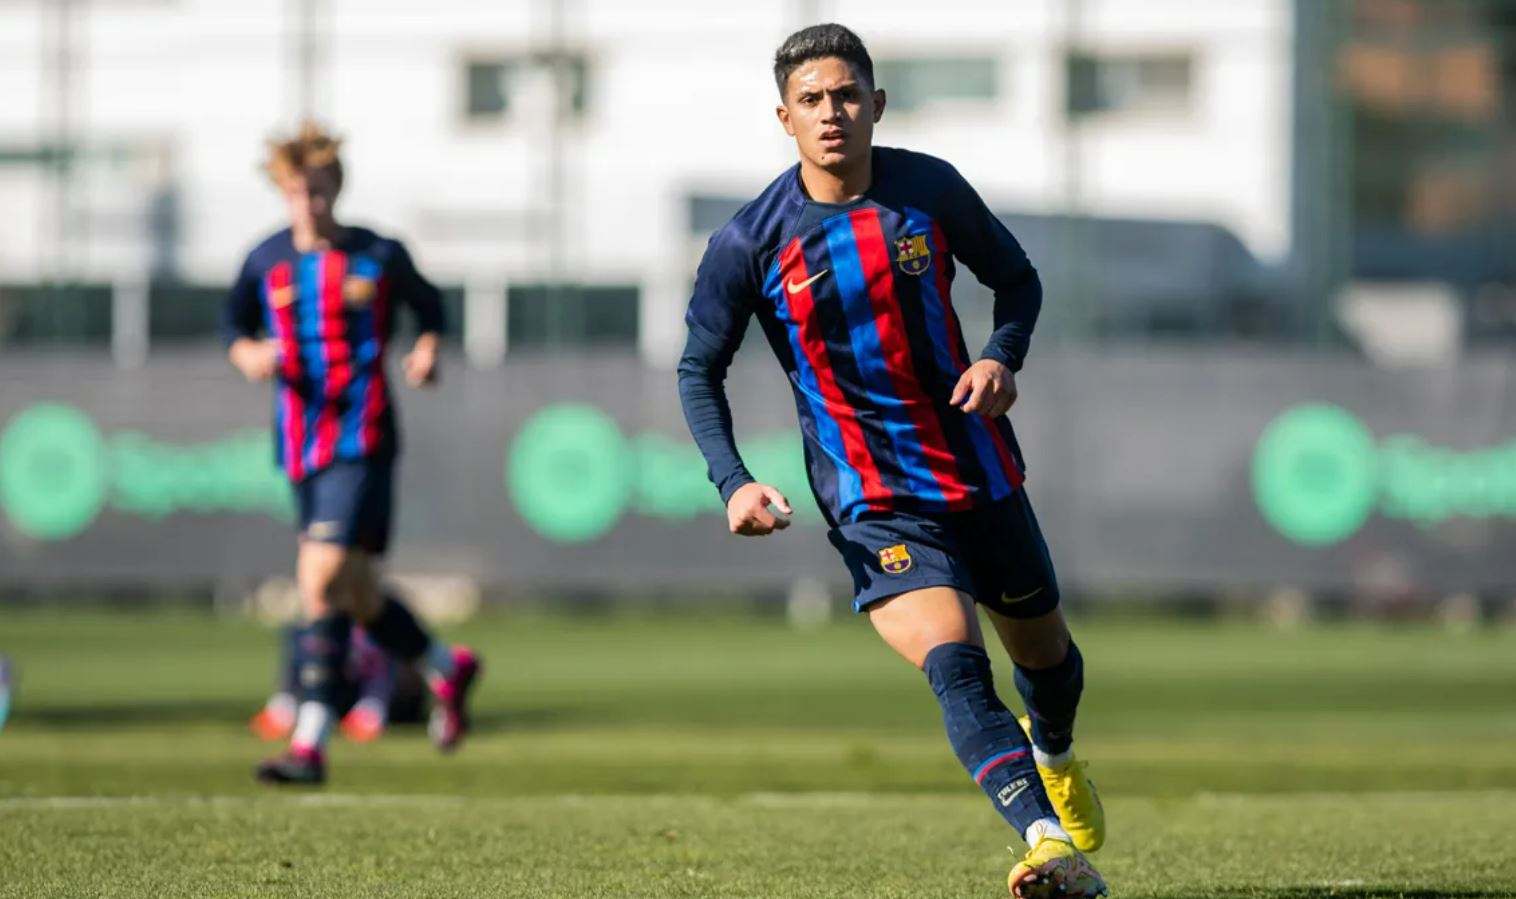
(879, 101)
(783, 112)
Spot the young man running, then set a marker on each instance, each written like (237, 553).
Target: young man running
(325, 294)
(847, 260)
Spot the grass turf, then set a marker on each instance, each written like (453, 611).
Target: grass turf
(733, 757)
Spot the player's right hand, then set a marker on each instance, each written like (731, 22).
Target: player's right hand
(256, 359)
(748, 513)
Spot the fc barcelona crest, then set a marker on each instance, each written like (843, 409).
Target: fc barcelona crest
(912, 254)
(357, 292)
(280, 297)
(895, 559)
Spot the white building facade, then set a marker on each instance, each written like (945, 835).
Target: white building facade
(541, 142)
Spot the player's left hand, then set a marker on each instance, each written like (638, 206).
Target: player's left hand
(420, 364)
(987, 388)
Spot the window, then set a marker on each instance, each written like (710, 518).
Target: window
(499, 86)
(572, 315)
(59, 314)
(921, 82)
(184, 312)
(1152, 83)
(488, 90)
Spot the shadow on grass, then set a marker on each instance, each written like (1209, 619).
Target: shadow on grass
(131, 715)
(1341, 892)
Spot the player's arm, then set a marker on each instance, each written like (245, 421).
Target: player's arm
(718, 316)
(984, 244)
(241, 328)
(421, 364)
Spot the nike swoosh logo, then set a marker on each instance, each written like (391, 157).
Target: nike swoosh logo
(794, 287)
(1015, 599)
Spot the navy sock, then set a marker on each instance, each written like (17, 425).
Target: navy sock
(985, 735)
(1052, 697)
(289, 659)
(396, 631)
(323, 653)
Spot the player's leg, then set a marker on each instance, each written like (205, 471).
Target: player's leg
(1023, 607)
(451, 670)
(373, 673)
(330, 502)
(937, 630)
(277, 717)
(1049, 676)
(324, 645)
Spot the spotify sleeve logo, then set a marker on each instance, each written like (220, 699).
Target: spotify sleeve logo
(53, 473)
(1315, 474)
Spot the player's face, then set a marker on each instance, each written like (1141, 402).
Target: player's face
(830, 113)
(310, 195)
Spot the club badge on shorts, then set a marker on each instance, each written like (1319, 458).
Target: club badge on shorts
(912, 254)
(895, 559)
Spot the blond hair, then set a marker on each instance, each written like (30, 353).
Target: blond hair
(311, 148)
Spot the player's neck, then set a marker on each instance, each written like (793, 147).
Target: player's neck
(837, 186)
(310, 237)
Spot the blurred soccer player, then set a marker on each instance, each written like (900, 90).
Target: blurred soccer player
(847, 261)
(325, 296)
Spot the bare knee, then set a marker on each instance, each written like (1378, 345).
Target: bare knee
(915, 623)
(319, 575)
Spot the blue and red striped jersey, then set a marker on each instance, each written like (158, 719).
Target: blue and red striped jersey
(856, 302)
(331, 312)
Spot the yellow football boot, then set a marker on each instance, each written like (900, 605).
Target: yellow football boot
(1074, 798)
(1054, 869)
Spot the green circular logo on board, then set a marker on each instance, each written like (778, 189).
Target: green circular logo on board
(53, 477)
(1315, 474)
(569, 473)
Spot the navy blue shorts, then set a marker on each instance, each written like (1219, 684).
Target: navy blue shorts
(349, 504)
(994, 553)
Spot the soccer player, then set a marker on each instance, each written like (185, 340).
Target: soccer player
(325, 294)
(847, 260)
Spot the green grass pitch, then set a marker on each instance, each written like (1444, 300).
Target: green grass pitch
(716, 756)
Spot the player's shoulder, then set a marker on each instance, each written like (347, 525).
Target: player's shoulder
(917, 166)
(362, 239)
(271, 249)
(759, 227)
(384, 249)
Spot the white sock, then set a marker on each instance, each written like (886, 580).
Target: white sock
(313, 724)
(439, 659)
(1045, 828)
(1053, 760)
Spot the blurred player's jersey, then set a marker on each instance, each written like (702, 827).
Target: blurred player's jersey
(332, 313)
(855, 301)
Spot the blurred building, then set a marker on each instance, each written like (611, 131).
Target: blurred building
(1280, 170)
(558, 163)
